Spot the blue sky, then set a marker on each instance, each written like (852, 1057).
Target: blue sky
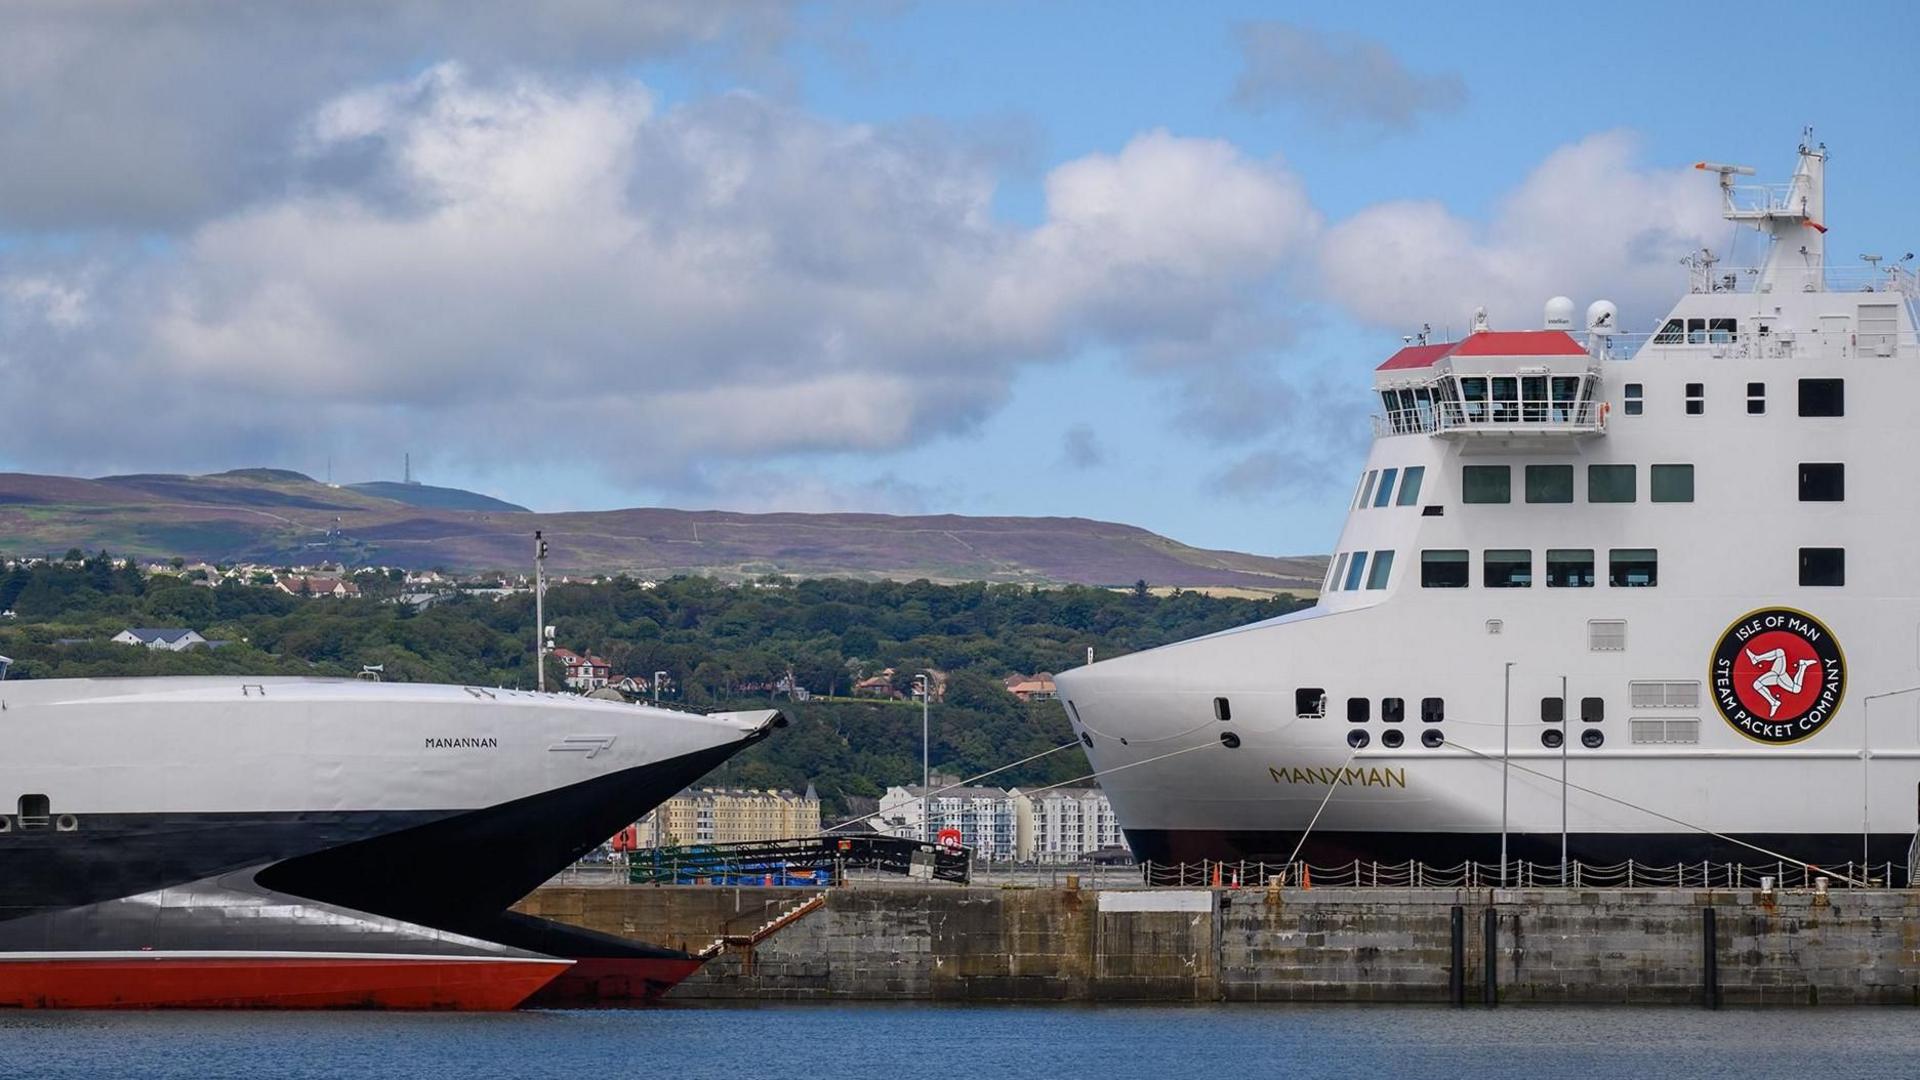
(1119, 261)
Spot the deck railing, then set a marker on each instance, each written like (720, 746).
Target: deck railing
(1495, 418)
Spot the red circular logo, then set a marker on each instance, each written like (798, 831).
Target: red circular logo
(1770, 675)
(950, 841)
(1778, 675)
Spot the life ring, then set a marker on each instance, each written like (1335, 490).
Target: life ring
(1605, 408)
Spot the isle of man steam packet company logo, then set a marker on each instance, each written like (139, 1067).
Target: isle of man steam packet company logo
(1778, 675)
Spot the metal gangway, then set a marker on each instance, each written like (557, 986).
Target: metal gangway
(807, 860)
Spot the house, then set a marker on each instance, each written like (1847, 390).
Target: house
(1032, 687)
(627, 684)
(172, 639)
(880, 686)
(584, 673)
(317, 586)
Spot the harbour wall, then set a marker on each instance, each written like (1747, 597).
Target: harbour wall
(1587, 946)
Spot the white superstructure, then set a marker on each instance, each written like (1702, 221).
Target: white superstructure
(1704, 531)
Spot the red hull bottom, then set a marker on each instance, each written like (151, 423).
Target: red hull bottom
(614, 981)
(162, 982)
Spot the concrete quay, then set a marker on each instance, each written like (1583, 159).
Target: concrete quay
(1587, 946)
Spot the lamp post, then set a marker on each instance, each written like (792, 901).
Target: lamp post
(1506, 728)
(1563, 781)
(658, 678)
(923, 687)
(540, 610)
(1866, 752)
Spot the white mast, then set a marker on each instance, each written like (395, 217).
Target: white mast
(1795, 220)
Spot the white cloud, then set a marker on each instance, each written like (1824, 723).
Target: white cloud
(1588, 222)
(1337, 79)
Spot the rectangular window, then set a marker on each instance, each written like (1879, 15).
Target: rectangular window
(1823, 566)
(1593, 710)
(1549, 483)
(1382, 570)
(1433, 710)
(1823, 482)
(1606, 635)
(1384, 494)
(1823, 397)
(1550, 710)
(1633, 568)
(1633, 402)
(1339, 573)
(1569, 568)
(1356, 571)
(1696, 398)
(1610, 483)
(1410, 485)
(1486, 484)
(1443, 569)
(1756, 398)
(1393, 710)
(1357, 710)
(1507, 568)
(1366, 488)
(1671, 483)
(1310, 702)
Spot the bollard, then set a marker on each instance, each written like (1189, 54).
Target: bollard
(1709, 959)
(1073, 882)
(1490, 984)
(1457, 944)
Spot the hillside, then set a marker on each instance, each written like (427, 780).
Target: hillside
(276, 516)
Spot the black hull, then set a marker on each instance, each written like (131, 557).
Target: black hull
(1443, 850)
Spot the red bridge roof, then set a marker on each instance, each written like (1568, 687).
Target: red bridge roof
(1487, 343)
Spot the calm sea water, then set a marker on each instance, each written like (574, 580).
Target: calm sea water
(896, 1043)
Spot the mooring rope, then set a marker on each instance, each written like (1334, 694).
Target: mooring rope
(1327, 798)
(1664, 817)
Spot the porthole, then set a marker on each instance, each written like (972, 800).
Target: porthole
(1229, 740)
(66, 823)
(1357, 739)
(1592, 739)
(1551, 738)
(1087, 739)
(1431, 738)
(1392, 738)
(6, 823)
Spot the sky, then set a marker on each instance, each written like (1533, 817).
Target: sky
(1125, 261)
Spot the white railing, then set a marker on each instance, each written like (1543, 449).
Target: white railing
(1895, 279)
(1495, 418)
(1802, 344)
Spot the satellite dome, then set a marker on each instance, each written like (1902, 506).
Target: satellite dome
(1603, 318)
(1560, 313)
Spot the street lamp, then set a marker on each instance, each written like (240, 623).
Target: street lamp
(923, 687)
(1506, 728)
(1866, 727)
(658, 678)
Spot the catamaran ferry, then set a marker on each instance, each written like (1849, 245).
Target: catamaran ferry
(1654, 595)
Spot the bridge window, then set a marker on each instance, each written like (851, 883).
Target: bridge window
(1823, 397)
(1445, 568)
(1549, 483)
(1633, 403)
(1506, 399)
(1385, 492)
(1410, 485)
(1823, 566)
(1486, 484)
(1358, 709)
(1756, 398)
(1823, 481)
(1339, 572)
(1569, 568)
(1366, 489)
(1433, 710)
(1673, 333)
(1610, 483)
(1696, 398)
(1356, 571)
(1382, 570)
(1633, 568)
(1507, 568)
(1672, 483)
(1393, 710)
(1310, 702)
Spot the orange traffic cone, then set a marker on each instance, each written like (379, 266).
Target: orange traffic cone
(1306, 876)
(1216, 875)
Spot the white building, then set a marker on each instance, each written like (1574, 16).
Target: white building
(1064, 825)
(172, 639)
(984, 815)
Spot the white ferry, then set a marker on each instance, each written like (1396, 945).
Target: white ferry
(1653, 595)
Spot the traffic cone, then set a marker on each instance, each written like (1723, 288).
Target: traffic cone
(1216, 875)
(1306, 876)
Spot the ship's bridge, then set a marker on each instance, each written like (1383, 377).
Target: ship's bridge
(1492, 384)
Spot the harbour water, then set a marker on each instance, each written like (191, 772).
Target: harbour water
(889, 1042)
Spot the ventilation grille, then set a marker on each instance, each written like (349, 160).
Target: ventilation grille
(1679, 732)
(1607, 635)
(1681, 694)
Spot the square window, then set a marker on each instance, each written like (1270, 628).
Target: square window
(1356, 571)
(1756, 389)
(1382, 570)
(1433, 710)
(1393, 710)
(1486, 484)
(1823, 566)
(1823, 397)
(1823, 482)
(1385, 493)
(1569, 568)
(1672, 483)
(1508, 568)
(1610, 483)
(1593, 710)
(1633, 403)
(1310, 701)
(1357, 710)
(1756, 406)
(1443, 569)
(1410, 485)
(1551, 709)
(1695, 407)
(1633, 568)
(1695, 389)
(1549, 483)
